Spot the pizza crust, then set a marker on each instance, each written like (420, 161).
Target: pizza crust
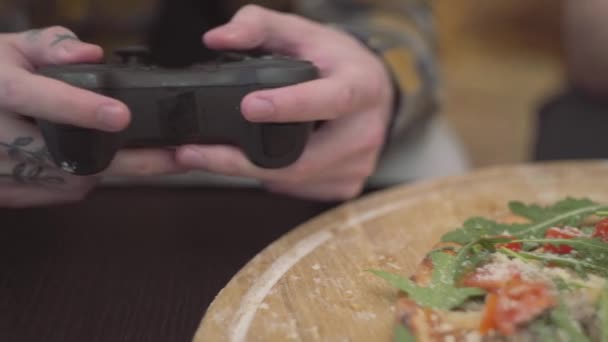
(429, 325)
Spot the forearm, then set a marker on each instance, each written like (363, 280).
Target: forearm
(585, 28)
(401, 33)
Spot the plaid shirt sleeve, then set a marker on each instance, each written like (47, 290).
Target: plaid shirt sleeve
(401, 33)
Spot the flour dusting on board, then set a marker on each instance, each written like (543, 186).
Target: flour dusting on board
(365, 315)
(220, 316)
(265, 283)
(395, 266)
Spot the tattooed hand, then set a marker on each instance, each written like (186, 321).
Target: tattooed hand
(27, 177)
(354, 98)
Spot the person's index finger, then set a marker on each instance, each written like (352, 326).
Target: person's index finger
(257, 27)
(54, 45)
(41, 97)
(322, 99)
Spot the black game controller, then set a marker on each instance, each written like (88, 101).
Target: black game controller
(199, 104)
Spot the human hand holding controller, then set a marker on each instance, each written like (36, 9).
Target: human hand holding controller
(27, 175)
(354, 96)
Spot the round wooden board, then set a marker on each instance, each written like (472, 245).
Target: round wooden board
(312, 284)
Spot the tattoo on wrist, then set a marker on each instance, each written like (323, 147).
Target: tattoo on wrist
(33, 167)
(61, 37)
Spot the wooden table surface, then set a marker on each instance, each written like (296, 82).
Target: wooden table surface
(312, 284)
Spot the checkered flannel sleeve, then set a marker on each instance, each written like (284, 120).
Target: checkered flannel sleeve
(401, 33)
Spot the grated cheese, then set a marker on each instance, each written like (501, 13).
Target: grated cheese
(472, 336)
(449, 338)
(501, 268)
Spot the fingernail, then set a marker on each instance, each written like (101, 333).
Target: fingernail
(111, 116)
(260, 109)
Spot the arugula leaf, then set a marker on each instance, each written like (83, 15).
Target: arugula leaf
(563, 285)
(542, 329)
(478, 227)
(588, 230)
(602, 213)
(469, 264)
(490, 243)
(403, 334)
(474, 253)
(561, 318)
(591, 250)
(536, 213)
(569, 211)
(577, 265)
(441, 293)
(512, 254)
(603, 315)
(590, 254)
(557, 325)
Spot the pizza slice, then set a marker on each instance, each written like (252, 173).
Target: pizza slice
(540, 275)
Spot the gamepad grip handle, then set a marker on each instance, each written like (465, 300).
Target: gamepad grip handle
(82, 151)
(79, 151)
